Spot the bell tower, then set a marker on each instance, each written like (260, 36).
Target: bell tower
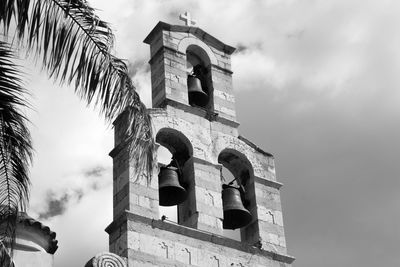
(217, 179)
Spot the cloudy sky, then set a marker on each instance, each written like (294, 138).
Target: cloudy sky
(316, 84)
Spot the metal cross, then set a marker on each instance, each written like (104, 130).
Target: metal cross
(187, 19)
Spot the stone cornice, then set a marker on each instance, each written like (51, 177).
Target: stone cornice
(266, 182)
(254, 146)
(196, 234)
(209, 115)
(193, 30)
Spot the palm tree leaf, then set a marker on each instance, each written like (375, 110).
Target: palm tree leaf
(75, 47)
(15, 150)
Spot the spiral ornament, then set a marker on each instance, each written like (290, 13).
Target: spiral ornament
(106, 259)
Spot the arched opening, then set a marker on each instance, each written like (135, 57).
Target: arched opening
(200, 89)
(238, 196)
(176, 173)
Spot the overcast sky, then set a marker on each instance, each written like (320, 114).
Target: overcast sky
(316, 85)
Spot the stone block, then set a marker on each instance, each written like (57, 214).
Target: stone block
(144, 202)
(224, 103)
(145, 211)
(114, 236)
(120, 207)
(120, 245)
(133, 199)
(224, 95)
(177, 87)
(213, 259)
(111, 247)
(158, 80)
(176, 71)
(269, 201)
(219, 74)
(219, 223)
(208, 197)
(214, 170)
(170, 42)
(208, 181)
(179, 35)
(219, 53)
(158, 87)
(121, 163)
(156, 44)
(173, 54)
(266, 215)
(122, 193)
(157, 246)
(144, 190)
(178, 78)
(178, 63)
(119, 183)
(282, 241)
(186, 254)
(229, 113)
(210, 210)
(265, 191)
(278, 217)
(272, 238)
(224, 64)
(218, 128)
(159, 98)
(267, 227)
(157, 62)
(207, 219)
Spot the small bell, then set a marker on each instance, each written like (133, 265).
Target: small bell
(235, 214)
(197, 97)
(169, 189)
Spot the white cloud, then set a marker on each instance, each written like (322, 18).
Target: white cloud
(303, 52)
(70, 140)
(80, 231)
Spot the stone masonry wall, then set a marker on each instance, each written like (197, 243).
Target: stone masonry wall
(145, 242)
(137, 233)
(169, 74)
(208, 140)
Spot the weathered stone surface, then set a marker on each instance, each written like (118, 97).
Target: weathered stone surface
(211, 139)
(164, 244)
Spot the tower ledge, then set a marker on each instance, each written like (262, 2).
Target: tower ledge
(159, 227)
(210, 115)
(189, 29)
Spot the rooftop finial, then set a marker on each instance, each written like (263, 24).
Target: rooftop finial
(187, 19)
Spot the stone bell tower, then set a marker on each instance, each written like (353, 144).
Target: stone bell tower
(194, 118)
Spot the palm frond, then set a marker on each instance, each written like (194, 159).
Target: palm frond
(75, 46)
(5, 256)
(15, 149)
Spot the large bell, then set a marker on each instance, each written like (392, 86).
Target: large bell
(197, 96)
(170, 191)
(235, 214)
